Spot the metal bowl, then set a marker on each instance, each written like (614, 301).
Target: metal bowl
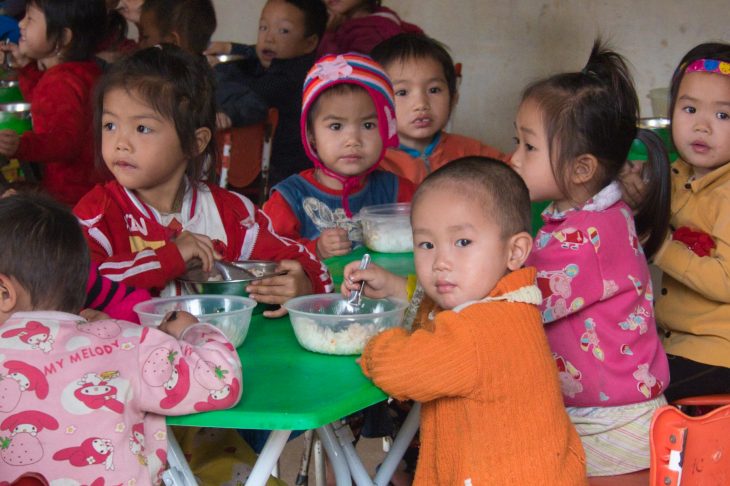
(231, 314)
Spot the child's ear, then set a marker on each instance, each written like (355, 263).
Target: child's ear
(66, 37)
(311, 43)
(8, 294)
(519, 246)
(174, 38)
(584, 169)
(202, 138)
(312, 142)
(454, 100)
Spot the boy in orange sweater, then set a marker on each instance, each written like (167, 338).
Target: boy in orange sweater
(479, 360)
(424, 80)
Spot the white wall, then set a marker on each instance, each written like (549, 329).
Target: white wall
(505, 44)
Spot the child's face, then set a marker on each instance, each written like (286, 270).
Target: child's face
(33, 41)
(345, 7)
(141, 148)
(531, 159)
(344, 132)
(149, 31)
(459, 252)
(282, 33)
(130, 9)
(701, 121)
(422, 100)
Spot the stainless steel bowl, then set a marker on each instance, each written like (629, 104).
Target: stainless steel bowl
(197, 281)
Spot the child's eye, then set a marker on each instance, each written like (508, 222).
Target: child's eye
(143, 129)
(108, 126)
(335, 126)
(722, 116)
(401, 92)
(516, 140)
(369, 125)
(425, 245)
(463, 242)
(262, 28)
(689, 109)
(529, 147)
(434, 90)
(283, 31)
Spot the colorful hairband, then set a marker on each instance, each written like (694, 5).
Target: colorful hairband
(708, 66)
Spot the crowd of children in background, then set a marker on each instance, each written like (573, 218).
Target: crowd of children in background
(561, 328)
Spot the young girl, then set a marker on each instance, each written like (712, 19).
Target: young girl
(479, 362)
(693, 308)
(348, 122)
(155, 123)
(360, 25)
(57, 74)
(574, 131)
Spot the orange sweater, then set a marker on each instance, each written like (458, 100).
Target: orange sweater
(492, 409)
(450, 147)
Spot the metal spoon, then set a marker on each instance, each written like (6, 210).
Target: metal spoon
(352, 304)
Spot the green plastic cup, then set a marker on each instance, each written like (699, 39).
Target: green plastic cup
(15, 116)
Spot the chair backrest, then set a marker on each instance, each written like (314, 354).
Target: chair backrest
(689, 451)
(246, 152)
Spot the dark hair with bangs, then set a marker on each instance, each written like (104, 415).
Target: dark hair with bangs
(492, 183)
(176, 84)
(336, 89)
(315, 16)
(709, 50)
(596, 111)
(193, 20)
(44, 249)
(86, 19)
(412, 46)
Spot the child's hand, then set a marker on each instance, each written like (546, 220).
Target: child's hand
(633, 186)
(175, 323)
(279, 289)
(215, 48)
(193, 245)
(380, 282)
(17, 60)
(223, 121)
(333, 242)
(9, 142)
(94, 315)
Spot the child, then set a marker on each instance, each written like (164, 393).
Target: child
(360, 25)
(424, 80)
(57, 74)
(84, 402)
(156, 118)
(692, 307)
(185, 23)
(271, 76)
(479, 362)
(348, 121)
(574, 131)
(115, 43)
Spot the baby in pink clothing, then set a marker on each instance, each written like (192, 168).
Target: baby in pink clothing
(84, 402)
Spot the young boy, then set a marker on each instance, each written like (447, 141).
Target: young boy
(348, 123)
(479, 360)
(271, 75)
(186, 23)
(83, 401)
(424, 80)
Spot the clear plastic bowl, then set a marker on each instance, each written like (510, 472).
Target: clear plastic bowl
(386, 228)
(318, 329)
(229, 313)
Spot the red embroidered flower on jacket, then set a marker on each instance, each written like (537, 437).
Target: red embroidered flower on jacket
(698, 241)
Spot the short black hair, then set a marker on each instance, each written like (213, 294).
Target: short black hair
(44, 249)
(315, 16)
(413, 46)
(193, 20)
(86, 19)
(495, 185)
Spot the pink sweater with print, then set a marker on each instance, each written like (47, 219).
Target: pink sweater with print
(83, 401)
(597, 304)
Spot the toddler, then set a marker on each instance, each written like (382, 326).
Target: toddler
(479, 361)
(692, 308)
(84, 402)
(156, 119)
(185, 23)
(57, 72)
(271, 76)
(359, 25)
(348, 121)
(424, 80)
(573, 134)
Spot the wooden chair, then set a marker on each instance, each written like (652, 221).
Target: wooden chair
(685, 450)
(245, 154)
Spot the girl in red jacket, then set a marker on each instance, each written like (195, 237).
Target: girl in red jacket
(57, 72)
(155, 121)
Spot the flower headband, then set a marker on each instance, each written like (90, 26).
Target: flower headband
(708, 66)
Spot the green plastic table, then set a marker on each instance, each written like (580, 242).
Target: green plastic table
(286, 387)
